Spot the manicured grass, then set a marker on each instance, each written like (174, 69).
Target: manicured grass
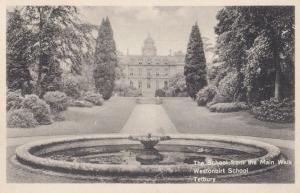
(190, 118)
(108, 118)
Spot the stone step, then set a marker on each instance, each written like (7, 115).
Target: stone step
(149, 100)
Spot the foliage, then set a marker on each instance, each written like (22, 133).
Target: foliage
(182, 94)
(71, 87)
(13, 100)
(224, 107)
(177, 85)
(86, 80)
(81, 103)
(105, 60)
(275, 110)
(260, 51)
(209, 104)
(169, 92)
(243, 105)
(20, 118)
(227, 89)
(57, 101)
(133, 92)
(195, 63)
(260, 70)
(160, 93)
(51, 37)
(206, 95)
(18, 36)
(216, 72)
(127, 91)
(38, 107)
(94, 98)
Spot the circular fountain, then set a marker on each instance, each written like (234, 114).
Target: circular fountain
(176, 157)
(149, 155)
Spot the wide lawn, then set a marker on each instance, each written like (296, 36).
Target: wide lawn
(108, 118)
(190, 118)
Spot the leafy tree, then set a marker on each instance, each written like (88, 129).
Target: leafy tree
(258, 44)
(18, 75)
(57, 40)
(195, 63)
(235, 37)
(105, 60)
(177, 84)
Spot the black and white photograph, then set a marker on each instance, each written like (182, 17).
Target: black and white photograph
(150, 94)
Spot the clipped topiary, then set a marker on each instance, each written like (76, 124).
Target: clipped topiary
(80, 103)
(133, 92)
(14, 100)
(274, 110)
(243, 105)
(206, 95)
(21, 118)
(94, 98)
(160, 93)
(224, 107)
(39, 108)
(209, 104)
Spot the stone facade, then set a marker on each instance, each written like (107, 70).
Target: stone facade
(149, 71)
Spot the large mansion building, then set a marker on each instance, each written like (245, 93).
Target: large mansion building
(149, 71)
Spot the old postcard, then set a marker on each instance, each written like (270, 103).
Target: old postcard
(173, 97)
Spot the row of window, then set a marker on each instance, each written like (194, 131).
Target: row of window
(140, 72)
(149, 63)
(140, 84)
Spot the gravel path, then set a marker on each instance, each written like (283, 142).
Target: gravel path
(148, 118)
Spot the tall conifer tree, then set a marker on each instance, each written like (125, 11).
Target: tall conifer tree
(105, 60)
(195, 63)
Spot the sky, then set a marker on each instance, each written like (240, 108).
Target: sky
(169, 26)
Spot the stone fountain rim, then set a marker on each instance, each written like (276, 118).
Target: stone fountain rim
(23, 154)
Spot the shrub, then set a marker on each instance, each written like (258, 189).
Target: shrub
(275, 110)
(94, 98)
(57, 101)
(169, 92)
(160, 93)
(243, 105)
(80, 103)
(205, 95)
(72, 87)
(39, 108)
(227, 88)
(182, 94)
(133, 92)
(13, 100)
(224, 107)
(127, 91)
(210, 104)
(221, 99)
(21, 118)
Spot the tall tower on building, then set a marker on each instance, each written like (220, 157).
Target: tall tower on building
(149, 48)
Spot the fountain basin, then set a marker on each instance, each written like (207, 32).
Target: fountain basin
(114, 155)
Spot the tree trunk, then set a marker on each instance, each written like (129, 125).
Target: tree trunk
(39, 79)
(277, 89)
(277, 93)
